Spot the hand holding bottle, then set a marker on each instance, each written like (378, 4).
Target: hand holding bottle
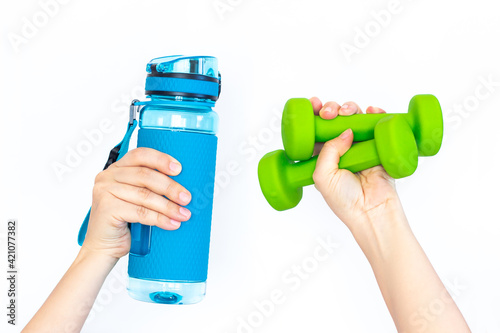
(137, 188)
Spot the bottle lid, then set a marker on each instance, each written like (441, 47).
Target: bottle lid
(184, 76)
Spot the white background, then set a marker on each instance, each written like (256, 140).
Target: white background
(86, 62)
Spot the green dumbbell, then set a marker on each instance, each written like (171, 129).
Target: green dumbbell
(394, 147)
(300, 128)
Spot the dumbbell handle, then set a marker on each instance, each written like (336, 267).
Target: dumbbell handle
(361, 156)
(362, 125)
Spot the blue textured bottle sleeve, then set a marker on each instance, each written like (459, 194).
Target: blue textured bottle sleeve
(182, 254)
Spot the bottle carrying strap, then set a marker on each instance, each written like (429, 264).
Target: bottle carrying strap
(114, 155)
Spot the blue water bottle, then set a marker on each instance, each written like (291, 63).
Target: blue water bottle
(170, 267)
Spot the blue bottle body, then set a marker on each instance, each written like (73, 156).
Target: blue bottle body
(171, 266)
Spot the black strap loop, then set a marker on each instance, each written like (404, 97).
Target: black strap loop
(113, 155)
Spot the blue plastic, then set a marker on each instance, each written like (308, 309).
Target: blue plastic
(201, 65)
(171, 267)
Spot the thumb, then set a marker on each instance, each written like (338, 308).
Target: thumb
(328, 159)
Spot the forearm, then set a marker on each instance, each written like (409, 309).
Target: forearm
(413, 292)
(69, 304)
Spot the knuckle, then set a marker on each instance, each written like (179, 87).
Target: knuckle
(144, 193)
(330, 145)
(143, 173)
(137, 153)
(142, 212)
(100, 177)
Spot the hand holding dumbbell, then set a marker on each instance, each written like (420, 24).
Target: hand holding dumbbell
(395, 146)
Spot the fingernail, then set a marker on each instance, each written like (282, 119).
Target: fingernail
(175, 223)
(345, 134)
(184, 212)
(327, 111)
(344, 108)
(175, 167)
(184, 197)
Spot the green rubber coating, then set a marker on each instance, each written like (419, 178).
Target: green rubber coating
(281, 179)
(360, 156)
(297, 128)
(301, 128)
(426, 120)
(364, 124)
(396, 146)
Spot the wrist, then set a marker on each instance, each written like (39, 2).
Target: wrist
(98, 257)
(378, 229)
